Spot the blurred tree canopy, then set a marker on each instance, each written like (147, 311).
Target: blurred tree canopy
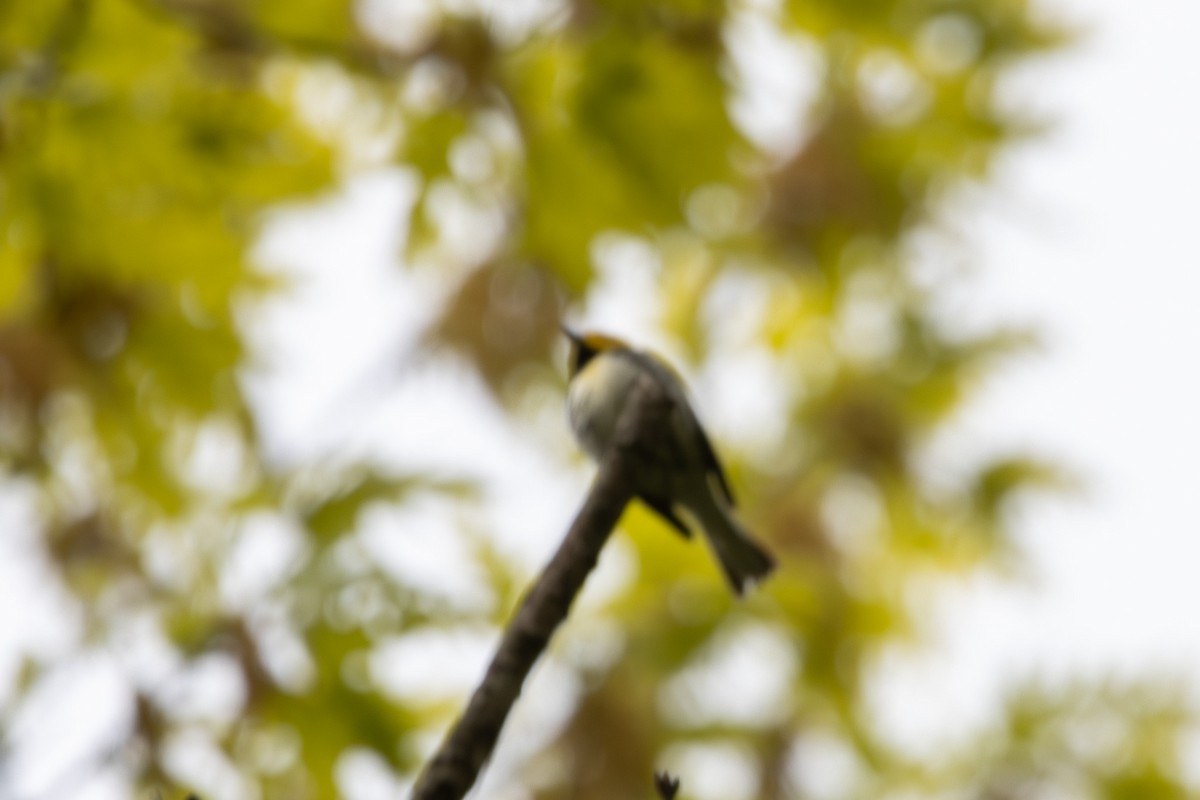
(141, 143)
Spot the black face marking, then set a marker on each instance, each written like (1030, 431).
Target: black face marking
(581, 354)
(581, 351)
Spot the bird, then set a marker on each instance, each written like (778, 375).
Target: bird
(679, 475)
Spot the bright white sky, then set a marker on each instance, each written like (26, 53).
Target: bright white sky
(1092, 236)
(1087, 234)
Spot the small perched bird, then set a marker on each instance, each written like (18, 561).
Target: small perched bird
(680, 477)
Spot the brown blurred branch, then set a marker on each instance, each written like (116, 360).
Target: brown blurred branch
(454, 768)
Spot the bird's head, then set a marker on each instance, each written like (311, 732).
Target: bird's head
(586, 346)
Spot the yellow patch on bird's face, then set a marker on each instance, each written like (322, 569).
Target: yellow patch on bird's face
(587, 346)
(600, 342)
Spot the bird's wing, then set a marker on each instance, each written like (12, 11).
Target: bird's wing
(667, 377)
(714, 465)
(664, 509)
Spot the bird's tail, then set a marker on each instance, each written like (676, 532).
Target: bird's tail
(743, 560)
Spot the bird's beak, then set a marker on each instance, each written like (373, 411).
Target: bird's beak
(570, 334)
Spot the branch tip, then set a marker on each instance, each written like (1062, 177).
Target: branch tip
(666, 784)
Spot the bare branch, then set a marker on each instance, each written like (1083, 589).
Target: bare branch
(455, 767)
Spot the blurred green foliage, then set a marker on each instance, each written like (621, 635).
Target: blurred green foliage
(141, 142)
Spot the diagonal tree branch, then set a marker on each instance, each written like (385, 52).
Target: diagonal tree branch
(452, 771)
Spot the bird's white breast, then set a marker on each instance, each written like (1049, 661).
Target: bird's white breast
(596, 398)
